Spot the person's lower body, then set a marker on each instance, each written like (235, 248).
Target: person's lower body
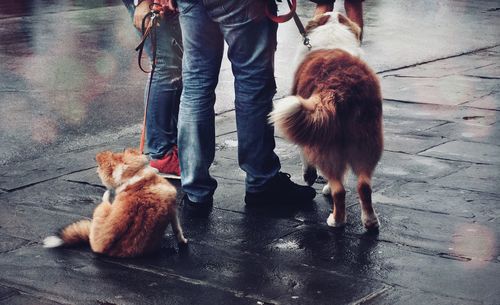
(252, 42)
(162, 96)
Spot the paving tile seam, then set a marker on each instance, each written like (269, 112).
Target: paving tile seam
(463, 104)
(32, 291)
(9, 294)
(24, 244)
(418, 210)
(463, 188)
(483, 77)
(171, 274)
(372, 296)
(439, 59)
(99, 186)
(357, 277)
(46, 180)
(457, 161)
(437, 293)
(58, 211)
(436, 145)
(482, 108)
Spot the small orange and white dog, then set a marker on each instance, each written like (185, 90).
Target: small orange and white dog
(335, 113)
(131, 220)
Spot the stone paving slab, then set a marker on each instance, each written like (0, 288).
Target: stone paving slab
(6, 292)
(23, 299)
(74, 277)
(410, 144)
(254, 274)
(399, 296)
(489, 101)
(466, 151)
(466, 132)
(417, 168)
(9, 243)
(427, 196)
(18, 175)
(434, 233)
(482, 178)
(400, 111)
(449, 90)
(366, 257)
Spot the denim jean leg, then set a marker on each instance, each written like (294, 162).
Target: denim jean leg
(165, 90)
(203, 47)
(252, 43)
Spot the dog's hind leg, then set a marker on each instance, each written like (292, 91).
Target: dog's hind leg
(338, 217)
(368, 216)
(308, 170)
(176, 228)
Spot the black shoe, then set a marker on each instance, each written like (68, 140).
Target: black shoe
(280, 190)
(196, 209)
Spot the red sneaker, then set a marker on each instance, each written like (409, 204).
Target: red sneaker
(168, 166)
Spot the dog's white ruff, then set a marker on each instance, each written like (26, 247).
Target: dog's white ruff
(52, 242)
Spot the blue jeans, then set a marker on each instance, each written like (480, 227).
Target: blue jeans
(251, 38)
(166, 87)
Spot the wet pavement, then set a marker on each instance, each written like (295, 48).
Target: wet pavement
(70, 87)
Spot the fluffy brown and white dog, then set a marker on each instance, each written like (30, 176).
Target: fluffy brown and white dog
(134, 212)
(335, 113)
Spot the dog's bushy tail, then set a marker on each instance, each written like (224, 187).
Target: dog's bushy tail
(305, 121)
(73, 234)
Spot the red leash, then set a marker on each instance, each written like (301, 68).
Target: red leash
(148, 30)
(292, 14)
(285, 17)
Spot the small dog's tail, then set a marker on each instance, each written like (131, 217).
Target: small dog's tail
(306, 121)
(75, 233)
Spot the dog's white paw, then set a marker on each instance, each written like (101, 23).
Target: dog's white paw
(326, 190)
(370, 221)
(332, 223)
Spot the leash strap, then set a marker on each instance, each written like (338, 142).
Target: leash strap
(285, 17)
(148, 31)
(292, 14)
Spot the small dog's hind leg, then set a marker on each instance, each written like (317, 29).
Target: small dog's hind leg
(338, 217)
(368, 216)
(176, 228)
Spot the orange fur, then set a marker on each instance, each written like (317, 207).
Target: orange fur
(135, 221)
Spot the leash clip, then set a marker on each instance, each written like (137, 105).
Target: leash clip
(307, 42)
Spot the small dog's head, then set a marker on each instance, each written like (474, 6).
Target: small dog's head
(116, 168)
(333, 30)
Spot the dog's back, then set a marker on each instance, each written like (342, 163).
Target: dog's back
(337, 105)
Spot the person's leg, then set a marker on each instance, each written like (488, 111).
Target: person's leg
(165, 90)
(203, 47)
(166, 87)
(252, 42)
(251, 37)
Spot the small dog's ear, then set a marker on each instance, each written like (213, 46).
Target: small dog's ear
(103, 157)
(317, 21)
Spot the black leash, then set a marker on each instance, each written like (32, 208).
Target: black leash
(300, 26)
